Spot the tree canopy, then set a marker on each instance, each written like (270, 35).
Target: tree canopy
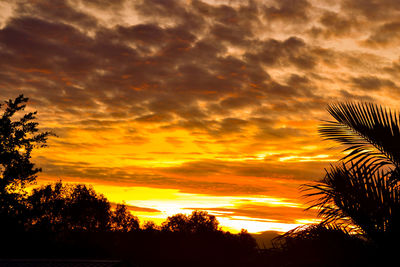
(18, 137)
(59, 207)
(197, 222)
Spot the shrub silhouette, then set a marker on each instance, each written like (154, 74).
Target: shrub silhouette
(320, 245)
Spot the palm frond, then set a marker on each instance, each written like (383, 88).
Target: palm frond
(359, 194)
(369, 132)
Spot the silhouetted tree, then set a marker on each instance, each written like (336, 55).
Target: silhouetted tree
(363, 189)
(87, 210)
(201, 221)
(61, 207)
(176, 223)
(246, 239)
(197, 222)
(19, 135)
(150, 226)
(48, 206)
(122, 220)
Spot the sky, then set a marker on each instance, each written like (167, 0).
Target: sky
(171, 106)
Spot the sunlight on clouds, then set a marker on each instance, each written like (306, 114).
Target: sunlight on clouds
(6, 11)
(170, 202)
(308, 221)
(255, 225)
(269, 201)
(321, 157)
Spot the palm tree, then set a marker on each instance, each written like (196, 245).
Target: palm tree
(362, 190)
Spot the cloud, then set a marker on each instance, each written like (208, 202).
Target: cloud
(136, 70)
(206, 97)
(334, 25)
(59, 10)
(81, 171)
(372, 83)
(279, 213)
(288, 10)
(273, 52)
(385, 35)
(370, 9)
(136, 208)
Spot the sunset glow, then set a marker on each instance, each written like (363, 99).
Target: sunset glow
(174, 106)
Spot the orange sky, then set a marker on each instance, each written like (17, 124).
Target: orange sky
(173, 106)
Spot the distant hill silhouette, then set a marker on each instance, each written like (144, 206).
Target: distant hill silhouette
(264, 239)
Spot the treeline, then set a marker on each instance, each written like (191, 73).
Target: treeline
(65, 221)
(73, 221)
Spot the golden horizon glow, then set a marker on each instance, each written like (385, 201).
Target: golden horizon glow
(156, 204)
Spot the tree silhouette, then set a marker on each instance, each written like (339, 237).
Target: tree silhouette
(122, 220)
(48, 206)
(18, 137)
(61, 207)
(362, 190)
(197, 222)
(150, 226)
(88, 211)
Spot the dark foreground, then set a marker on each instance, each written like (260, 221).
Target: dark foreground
(316, 246)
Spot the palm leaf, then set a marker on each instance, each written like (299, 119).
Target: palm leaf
(369, 132)
(359, 195)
